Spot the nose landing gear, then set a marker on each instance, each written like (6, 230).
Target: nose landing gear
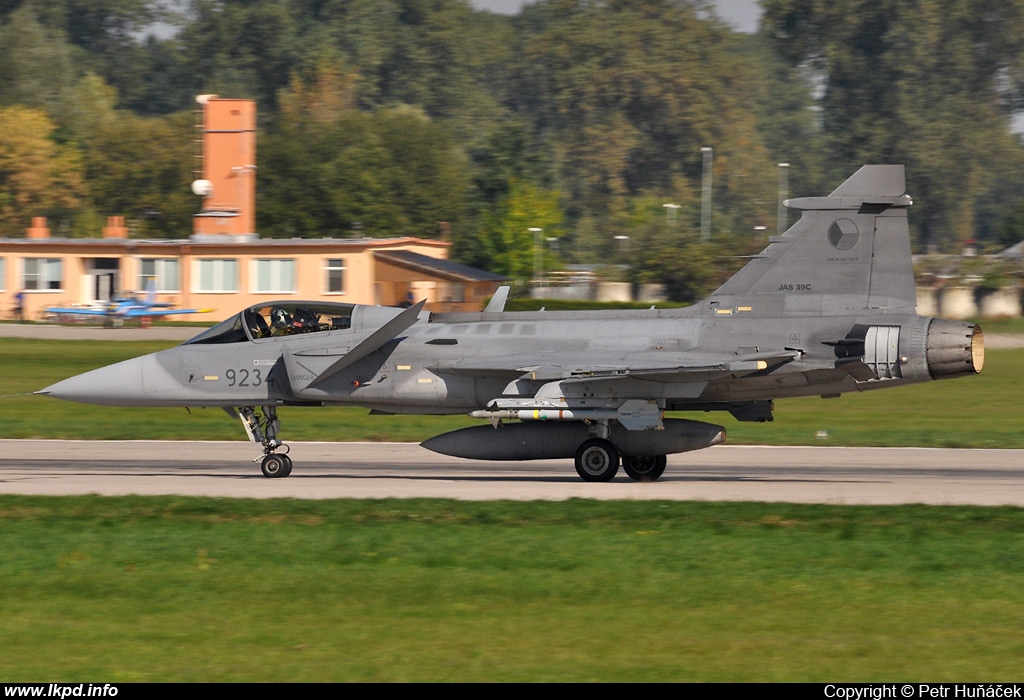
(263, 429)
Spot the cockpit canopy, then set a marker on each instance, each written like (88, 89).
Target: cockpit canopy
(278, 318)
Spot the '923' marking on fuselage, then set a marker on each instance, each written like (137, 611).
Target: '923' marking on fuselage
(244, 377)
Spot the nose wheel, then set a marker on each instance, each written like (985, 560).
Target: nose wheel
(276, 466)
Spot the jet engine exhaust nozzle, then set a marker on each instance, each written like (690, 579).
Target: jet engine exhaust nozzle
(954, 349)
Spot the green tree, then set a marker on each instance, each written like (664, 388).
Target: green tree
(38, 176)
(630, 91)
(782, 100)
(931, 84)
(504, 243)
(393, 172)
(241, 49)
(37, 65)
(105, 33)
(657, 245)
(141, 167)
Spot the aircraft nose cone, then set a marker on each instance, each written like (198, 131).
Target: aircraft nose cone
(117, 385)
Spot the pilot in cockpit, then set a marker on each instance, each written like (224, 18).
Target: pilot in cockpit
(280, 321)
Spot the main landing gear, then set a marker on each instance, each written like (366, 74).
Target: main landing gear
(263, 429)
(597, 459)
(645, 468)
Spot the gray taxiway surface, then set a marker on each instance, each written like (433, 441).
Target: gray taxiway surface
(831, 475)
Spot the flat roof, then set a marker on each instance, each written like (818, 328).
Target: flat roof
(206, 241)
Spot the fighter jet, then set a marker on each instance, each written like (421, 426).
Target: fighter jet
(827, 308)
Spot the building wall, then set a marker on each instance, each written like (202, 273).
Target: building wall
(303, 276)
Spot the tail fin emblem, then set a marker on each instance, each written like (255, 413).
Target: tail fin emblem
(843, 234)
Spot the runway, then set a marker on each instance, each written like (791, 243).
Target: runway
(829, 475)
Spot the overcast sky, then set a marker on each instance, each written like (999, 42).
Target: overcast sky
(742, 14)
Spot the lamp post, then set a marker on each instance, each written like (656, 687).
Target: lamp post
(551, 244)
(783, 221)
(705, 199)
(538, 254)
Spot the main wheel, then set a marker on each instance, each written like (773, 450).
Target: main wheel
(276, 466)
(597, 460)
(644, 468)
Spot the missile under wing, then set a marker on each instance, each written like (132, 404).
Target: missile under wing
(826, 308)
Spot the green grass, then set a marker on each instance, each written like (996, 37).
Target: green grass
(980, 411)
(181, 589)
(1013, 326)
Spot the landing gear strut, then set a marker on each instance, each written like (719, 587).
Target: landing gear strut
(263, 429)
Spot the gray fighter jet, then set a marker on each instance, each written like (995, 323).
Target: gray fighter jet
(826, 308)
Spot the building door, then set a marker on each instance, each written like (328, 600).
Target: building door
(105, 277)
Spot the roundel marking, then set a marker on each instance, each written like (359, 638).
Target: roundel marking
(843, 234)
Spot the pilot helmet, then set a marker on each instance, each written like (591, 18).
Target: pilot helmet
(279, 317)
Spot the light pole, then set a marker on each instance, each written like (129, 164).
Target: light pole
(783, 223)
(551, 245)
(705, 199)
(538, 254)
(670, 213)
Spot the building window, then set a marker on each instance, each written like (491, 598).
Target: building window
(217, 275)
(335, 276)
(273, 275)
(452, 292)
(42, 273)
(162, 273)
(3, 274)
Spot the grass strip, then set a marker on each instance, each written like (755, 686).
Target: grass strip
(191, 589)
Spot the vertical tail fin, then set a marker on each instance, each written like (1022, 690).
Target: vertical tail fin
(849, 251)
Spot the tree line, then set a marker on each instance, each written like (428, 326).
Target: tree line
(583, 118)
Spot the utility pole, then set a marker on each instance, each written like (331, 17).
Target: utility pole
(705, 200)
(783, 223)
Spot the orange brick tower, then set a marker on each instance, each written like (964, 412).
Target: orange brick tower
(228, 184)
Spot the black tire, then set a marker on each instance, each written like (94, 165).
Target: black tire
(645, 468)
(597, 460)
(276, 466)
